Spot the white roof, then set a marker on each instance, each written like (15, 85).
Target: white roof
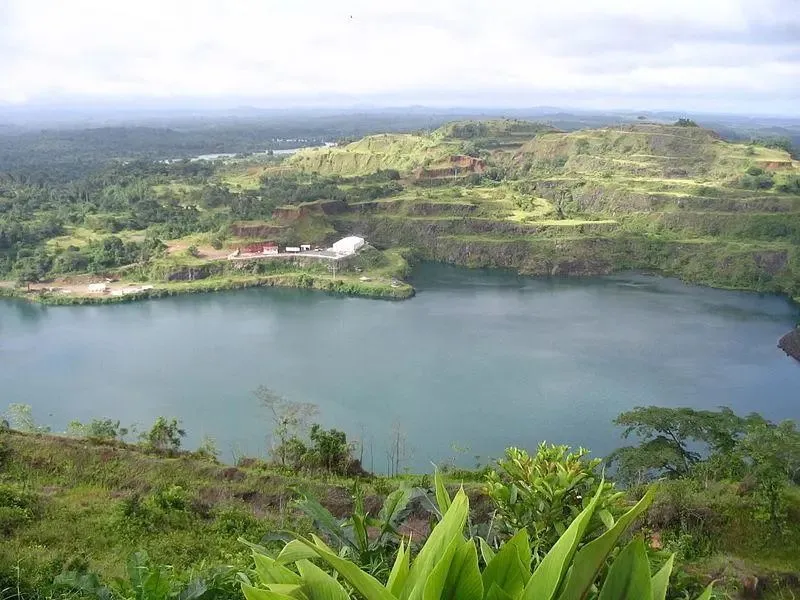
(351, 241)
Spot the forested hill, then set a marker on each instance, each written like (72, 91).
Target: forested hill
(671, 198)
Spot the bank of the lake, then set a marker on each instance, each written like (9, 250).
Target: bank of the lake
(477, 359)
(350, 287)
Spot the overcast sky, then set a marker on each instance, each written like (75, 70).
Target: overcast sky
(723, 55)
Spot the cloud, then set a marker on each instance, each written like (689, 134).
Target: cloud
(666, 51)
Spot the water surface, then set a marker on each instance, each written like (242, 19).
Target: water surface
(478, 360)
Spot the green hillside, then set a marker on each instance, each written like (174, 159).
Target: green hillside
(673, 199)
(668, 198)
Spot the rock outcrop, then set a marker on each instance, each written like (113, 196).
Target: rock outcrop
(790, 343)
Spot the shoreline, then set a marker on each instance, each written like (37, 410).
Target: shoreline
(364, 289)
(360, 289)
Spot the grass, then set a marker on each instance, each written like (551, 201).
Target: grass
(91, 503)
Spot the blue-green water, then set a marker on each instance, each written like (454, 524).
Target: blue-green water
(477, 359)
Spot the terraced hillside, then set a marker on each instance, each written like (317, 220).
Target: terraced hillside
(672, 199)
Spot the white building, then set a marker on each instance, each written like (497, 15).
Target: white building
(348, 245)
(98, 288)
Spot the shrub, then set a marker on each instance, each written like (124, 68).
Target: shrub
(684, 122)
(330, 450)
(756, 179)
(17, 508)
(370, 541)
(105, 429)
(165, 435)
(789, 185)
(545, 492)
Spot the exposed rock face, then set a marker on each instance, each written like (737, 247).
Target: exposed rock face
(790, 343)
(247, 230)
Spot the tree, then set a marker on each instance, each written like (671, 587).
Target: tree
(289, 419)
(665, 437)
(330, 449)
(20, 417)
(165, 435)
(27, 273)
(563, 198)
(97, 428)
(685, 122)
(772, 454)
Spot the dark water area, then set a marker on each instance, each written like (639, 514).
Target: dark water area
(477, 361)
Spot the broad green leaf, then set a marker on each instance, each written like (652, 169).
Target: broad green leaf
(360, 536)
(269, 571)
(449, 528)
(660, 581)
(464, 577)
(254, 547)
(486, 551)
(323, 520)
(606, 517)
(545, 580)
(321, 544)
(394, 505)
(294, 551)
(288, 589)
(590, 559)
(706, 595)
(508, 569)
(369, 587)
(495, 593)
(252, 593)
(318, 585)
(397, 578)
(629, 575)
(434, 584)
(442, 497)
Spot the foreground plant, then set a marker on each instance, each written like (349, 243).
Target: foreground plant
(447, 567)
(351, 537)
(545, 492)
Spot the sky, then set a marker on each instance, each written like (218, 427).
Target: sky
(718, 55)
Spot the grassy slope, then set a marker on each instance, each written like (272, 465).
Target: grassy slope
(643, 196)
(93, 503)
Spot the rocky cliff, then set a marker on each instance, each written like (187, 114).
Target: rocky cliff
(790, 343)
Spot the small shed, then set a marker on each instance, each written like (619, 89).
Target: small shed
(98, 288)
(348, 245)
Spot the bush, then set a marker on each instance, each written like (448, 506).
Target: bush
(756, 179)
(165, 435)
(17, 508)
(544, 493)
(789, 185)
(684, 122)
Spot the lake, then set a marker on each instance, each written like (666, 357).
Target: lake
(477, 361)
